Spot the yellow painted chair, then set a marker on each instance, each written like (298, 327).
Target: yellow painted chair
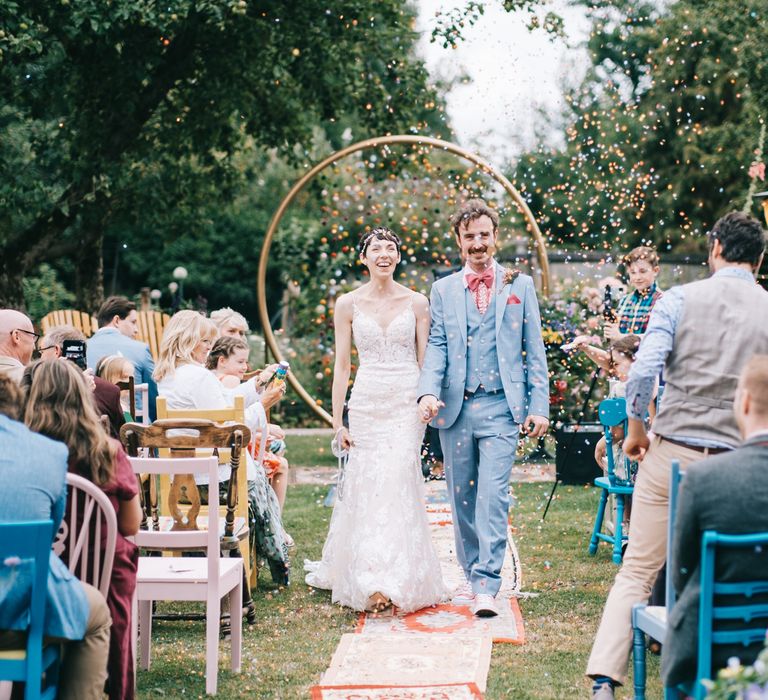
(151, 326)
(234, 414)
(81, 320)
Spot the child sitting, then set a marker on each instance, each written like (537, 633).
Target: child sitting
(116, 369)
(616, 361)
(228, 360)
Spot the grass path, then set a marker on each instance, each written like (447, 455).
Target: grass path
(298, 629)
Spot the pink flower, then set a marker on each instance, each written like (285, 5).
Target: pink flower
(757, 170)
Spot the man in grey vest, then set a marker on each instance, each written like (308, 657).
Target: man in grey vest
(484, 374)
(701, 334)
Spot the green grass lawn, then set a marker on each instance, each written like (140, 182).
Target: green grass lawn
(314, 450)
(298, 629)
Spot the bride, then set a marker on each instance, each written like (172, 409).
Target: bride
(378, 552)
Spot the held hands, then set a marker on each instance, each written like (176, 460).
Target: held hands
(535, 426)
(428, 407)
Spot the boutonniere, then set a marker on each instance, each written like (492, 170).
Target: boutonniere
(509, 276)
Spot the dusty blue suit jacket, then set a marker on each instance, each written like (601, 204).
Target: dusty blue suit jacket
(110, 341)
(519, 346)
(32, 487)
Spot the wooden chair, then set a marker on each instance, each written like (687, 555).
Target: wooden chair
(208, 578)
(613, 413)
(652, 619)
(130, 387)
(89, 518)
(79, 319)
(151, 325)
(30, 543)
(236, 414)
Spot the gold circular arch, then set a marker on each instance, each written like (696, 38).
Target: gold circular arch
(269, 336)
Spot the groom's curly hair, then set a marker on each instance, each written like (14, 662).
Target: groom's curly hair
(469, 211)
(380, 233)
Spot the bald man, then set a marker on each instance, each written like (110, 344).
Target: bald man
(17, 343)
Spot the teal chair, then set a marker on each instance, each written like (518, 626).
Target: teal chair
(28, 544)
(652, 619)
(612, 413)
(747, 621)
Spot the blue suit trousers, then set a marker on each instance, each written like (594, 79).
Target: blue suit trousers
(479, 451)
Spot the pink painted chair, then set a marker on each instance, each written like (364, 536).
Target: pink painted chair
(206, 579)
(90, 516)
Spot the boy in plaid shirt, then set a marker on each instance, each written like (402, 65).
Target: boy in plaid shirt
(634, 309)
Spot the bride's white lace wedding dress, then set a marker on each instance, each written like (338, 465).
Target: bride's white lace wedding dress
(379, 538)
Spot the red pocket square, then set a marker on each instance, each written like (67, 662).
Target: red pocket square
(513, 299)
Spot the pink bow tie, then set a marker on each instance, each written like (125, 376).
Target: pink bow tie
(473, 279)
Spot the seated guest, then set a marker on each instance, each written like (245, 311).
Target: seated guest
(59, 407)
(228, 360)
(32, 487)
(727, 493)
(229, 323)
(186, 383)
(118, 326)
(105, 394)
(117, 369)
(17, 343)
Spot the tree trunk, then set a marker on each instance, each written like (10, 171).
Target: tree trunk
(11, 291)
(89, 275)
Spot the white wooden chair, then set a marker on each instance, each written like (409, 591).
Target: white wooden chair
(205, 579)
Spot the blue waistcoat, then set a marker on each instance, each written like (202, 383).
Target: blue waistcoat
(482, 360)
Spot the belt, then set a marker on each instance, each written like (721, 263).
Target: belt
(697, 448)
(482, 390)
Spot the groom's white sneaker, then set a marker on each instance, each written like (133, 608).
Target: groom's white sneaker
(485, 605)
(463, 595)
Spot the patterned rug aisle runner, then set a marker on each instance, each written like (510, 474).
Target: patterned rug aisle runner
(440, 652)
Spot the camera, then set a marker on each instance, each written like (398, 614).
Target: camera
(75, 350)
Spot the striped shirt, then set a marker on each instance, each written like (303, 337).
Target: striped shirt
(634, 309)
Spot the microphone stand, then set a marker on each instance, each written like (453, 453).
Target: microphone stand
(567, 450)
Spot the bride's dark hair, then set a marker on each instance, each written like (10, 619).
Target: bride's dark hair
(380, 233)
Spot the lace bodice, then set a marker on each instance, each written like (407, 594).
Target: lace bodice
(377, 345)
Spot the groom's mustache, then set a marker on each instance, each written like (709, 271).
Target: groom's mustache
(482, 249)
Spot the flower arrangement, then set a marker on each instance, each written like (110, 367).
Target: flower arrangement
(738, 682)
(571, 309)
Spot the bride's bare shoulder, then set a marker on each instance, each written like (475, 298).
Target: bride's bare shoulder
(419, 301)
(344, 305)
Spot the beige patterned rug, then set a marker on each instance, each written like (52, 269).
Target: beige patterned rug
(409, 659)
(458, 691)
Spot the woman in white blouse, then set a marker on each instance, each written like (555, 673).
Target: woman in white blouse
(185, 383)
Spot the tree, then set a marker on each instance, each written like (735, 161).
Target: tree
(662, 132)
(127, 114)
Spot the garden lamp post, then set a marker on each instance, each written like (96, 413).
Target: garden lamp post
(180, 274)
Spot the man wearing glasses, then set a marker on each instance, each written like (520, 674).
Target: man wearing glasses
(17, 343)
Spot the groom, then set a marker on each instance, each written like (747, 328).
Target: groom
(484, 375)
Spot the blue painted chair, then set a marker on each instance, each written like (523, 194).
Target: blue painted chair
(652, 619)
(749, 619)
(612, 413)
(29, 543)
